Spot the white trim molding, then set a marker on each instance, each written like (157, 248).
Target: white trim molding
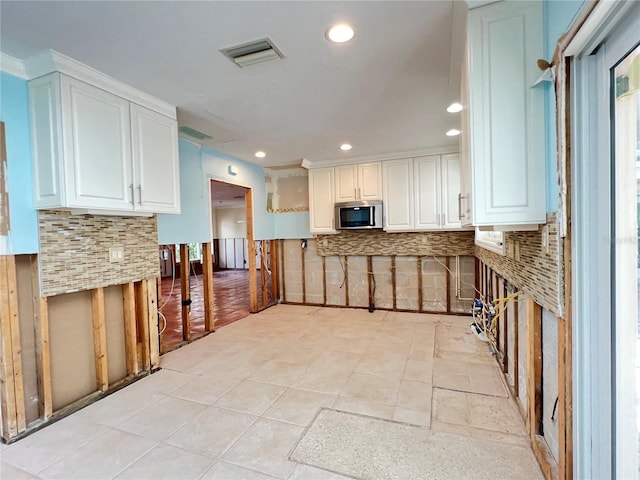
(12, 66)
(306, 163)
(50, 61)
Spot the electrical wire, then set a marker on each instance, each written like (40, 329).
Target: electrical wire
(173, 278)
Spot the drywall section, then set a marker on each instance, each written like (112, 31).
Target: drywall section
(420, 283)
(535, 269)
(14, 111)
(287, 189)
(550, 380)
(73, 370)
(522, 355)
(65, 238)
(230, 222)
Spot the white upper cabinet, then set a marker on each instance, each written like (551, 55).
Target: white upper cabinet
(397, 188)
(465, 202)
(321, 200)
(155, 156)
(358, 182)
(98, 152)
(422, 193)
(506, 114)
(427, 192)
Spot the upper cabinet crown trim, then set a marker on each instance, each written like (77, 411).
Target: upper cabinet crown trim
(12, 66)
(51, 61)
(337, 162)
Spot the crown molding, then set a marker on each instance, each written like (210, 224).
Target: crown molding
(12, 66)
(379, 157)
(50, 61)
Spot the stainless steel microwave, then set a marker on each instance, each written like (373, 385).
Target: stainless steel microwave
(358, 215)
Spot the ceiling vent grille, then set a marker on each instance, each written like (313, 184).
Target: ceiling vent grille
(253, 52)
(193, 133)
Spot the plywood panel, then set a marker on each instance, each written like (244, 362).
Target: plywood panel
(550, 380)
(293, 270)
(522, 352)
(73, 371)
(434, 285)
(114, 321)
(25, 282)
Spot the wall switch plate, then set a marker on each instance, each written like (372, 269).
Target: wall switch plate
(116, 254)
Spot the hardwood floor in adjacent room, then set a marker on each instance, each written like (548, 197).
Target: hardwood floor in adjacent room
(231, 297)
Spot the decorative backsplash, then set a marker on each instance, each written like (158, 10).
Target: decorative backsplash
(385, 244)
(74, 250)
(537, 273)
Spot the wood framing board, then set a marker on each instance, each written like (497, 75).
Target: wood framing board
(11, 389)
(302, 266)
(142, 315)
(505, 330)
(207, 280)
(534, 367)
(152, 319)
(393, 280)
(282, 271)
(346, 280)
(130, 330)
(253, 277)
(419, 266)
(43, 354)
(370, 281)
(324, 280)
(275, 270)
(263, 273)
(545, 458)
(100, 339)
(516, 373)
(447, 282)
(185, 291)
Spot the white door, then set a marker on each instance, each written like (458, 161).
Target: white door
(397, 188)
(451, 198)
(97, 147)
(369, 181)
(155, 157)
(321, 200)
(427, 191)
(346, 183)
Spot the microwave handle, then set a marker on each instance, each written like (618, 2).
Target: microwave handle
(372, 215)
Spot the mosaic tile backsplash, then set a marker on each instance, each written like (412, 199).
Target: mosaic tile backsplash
(74, 250)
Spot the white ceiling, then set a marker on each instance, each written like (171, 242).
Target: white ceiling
(385, 91)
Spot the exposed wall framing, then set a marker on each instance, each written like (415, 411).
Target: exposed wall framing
(413, 283)
(24, 313)
(521, 357)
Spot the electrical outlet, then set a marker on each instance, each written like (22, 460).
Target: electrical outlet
(116, 254)
(545, 240)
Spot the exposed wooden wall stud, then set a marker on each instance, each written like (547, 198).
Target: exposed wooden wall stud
(185, 291)
(447, 282)
(304, 275)
(346, 280)
(419, 267)
(100, 339)
(393, 280)
(275, 279)
(142, 320)
(534, 367)
(152, 319)
(207, 281)
(130, 330)
(253, 275)
(324, 280)
(283, 272)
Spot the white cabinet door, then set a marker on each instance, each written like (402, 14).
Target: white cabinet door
(154, 140)
(507, 114)
(397, 188)
(451, 200)
(465, 200)
(321, 200)
(97, 147)
(369, 181)
(346, 178)
(427, 191)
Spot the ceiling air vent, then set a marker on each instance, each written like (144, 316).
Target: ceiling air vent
(193, 133)
(253, 52)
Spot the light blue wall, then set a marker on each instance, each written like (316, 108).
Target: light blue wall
(558, 16)
(14, 111)
(291, 225)
(192, 225)
(215, 165)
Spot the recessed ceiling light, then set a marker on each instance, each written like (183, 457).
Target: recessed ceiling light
(452, 133)
(454, 108)
(340, 33)
(345, 147)
(260, 154)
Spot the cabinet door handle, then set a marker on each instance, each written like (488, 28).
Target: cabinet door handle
(459, 206)
(359, 197)
(139, 194)
(133, 197)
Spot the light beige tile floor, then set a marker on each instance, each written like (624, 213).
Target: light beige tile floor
(234, 404)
